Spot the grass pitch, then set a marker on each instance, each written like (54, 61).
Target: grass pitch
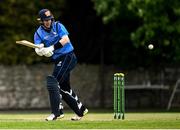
(94, 120)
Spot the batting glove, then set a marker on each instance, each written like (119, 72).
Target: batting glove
(49, 54)
(39, 50)
(48, 51)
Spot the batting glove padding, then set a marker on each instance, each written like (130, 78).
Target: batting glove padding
(39, 50)
(48, 51)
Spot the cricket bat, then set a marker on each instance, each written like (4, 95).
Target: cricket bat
(27, 43)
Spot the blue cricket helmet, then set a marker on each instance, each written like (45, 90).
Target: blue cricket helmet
(45, 14)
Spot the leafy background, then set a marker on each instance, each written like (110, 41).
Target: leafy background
(110, 32)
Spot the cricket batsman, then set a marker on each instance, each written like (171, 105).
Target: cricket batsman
(53, 39)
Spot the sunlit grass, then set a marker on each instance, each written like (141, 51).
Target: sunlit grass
(35, 120)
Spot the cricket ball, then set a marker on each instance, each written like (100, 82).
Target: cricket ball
(150, 46)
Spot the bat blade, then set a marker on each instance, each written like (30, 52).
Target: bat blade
(27, 43)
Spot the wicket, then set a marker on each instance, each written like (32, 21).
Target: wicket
(119, 96)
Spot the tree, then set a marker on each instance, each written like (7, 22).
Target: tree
(109, 9)
(159, 24)
(18, 21)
